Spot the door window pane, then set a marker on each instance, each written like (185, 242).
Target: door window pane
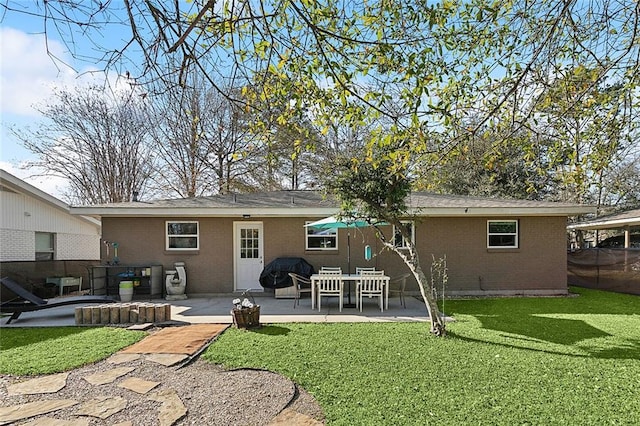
(249, 244)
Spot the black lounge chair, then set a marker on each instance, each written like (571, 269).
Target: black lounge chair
(31, 302)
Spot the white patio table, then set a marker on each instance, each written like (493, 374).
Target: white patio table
(350, 278)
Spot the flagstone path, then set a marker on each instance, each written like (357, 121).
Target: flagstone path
(114, 394)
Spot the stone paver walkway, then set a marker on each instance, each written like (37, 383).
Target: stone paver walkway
(170, 411)
(46, 384)
(109, 376)
(31, 409)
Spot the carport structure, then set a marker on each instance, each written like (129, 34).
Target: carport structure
(613, 269)
(628, 222)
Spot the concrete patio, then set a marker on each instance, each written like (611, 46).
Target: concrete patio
(216, 309)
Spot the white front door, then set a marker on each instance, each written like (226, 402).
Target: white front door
(247, 255)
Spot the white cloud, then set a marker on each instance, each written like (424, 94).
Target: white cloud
(27, 73)
(28, 77)
(52, 185)
(31, 67)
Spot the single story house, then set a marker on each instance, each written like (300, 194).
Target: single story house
(39, 237)
(492, 247)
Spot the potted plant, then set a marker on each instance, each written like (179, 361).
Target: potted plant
(245, 312)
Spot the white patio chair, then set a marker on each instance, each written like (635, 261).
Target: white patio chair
(330, 284)
(331, 270)
(301, 285)
(371, 285)
(368, 270)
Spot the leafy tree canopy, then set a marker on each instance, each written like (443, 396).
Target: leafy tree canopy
(425, 64)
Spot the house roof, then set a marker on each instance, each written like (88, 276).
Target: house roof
(9, 182)
(15, 184)
(612, 221)
(314, 203)
(427, 204)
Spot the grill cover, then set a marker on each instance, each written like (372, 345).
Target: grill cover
(276, 273)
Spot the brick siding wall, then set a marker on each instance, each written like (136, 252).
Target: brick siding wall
(17, 245)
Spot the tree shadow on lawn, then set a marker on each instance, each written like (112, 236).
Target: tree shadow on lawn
(528, 323)
(628, 348)
(555, 330)
(270, 330)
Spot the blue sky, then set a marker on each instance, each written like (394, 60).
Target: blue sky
(27, 77)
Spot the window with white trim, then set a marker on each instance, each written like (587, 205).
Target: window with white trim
(502, 234)
(182, 235)
(45, 246)
(321, 239)
(398, 239)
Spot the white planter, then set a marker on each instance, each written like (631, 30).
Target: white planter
(126, 291)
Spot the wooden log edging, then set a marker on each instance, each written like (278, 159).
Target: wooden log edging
(123, 313)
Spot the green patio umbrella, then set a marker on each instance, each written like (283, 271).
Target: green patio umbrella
(348, 223)
(333, 222)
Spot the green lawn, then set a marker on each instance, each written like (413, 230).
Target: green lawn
(537, 361)
(526, 361)
(30, 351)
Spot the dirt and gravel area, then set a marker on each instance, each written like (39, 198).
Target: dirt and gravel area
(210, 394)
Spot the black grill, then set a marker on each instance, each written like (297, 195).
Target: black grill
(276, 273)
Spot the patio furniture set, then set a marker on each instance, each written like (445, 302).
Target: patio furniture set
(330, 282)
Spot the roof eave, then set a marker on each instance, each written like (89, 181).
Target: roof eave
(201, 212)
(21, 187)
(606, 224)
(502, 211)
(320, 211)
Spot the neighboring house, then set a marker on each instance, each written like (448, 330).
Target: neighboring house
(38, 236)
(627, 224)
(492, 247)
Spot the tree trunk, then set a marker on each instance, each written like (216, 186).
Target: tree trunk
(410, 258)
(437, 321)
